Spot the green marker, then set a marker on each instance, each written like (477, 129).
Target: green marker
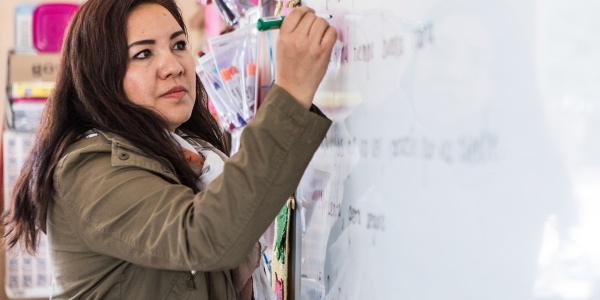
(274, 22)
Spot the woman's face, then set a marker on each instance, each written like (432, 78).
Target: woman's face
(160, 72)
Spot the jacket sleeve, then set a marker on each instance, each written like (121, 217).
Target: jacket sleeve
(134, 214)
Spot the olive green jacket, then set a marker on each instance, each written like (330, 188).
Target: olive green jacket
(121, 226)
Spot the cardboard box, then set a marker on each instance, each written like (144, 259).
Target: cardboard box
(32, 67)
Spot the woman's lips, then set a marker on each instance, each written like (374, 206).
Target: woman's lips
(177, 95)
(176, 92)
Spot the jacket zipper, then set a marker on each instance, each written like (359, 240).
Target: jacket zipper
(191, 283)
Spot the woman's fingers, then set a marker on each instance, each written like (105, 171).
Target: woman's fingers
(303, 50)
(294, 18)
(317, 30)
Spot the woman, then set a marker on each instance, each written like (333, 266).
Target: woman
(119, 174)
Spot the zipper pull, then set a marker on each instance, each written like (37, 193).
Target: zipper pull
(191, 284)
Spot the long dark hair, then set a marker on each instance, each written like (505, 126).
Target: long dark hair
(89, 94)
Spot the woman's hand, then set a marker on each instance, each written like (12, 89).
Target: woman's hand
(303, 52)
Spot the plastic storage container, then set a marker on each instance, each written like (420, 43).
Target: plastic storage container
(50, 21)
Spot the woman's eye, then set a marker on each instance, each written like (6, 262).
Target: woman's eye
(181, 45)
(142, 54)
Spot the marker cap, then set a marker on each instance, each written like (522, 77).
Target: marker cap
(225, 74)
(233, 70)
(267, 23)
(251, 69)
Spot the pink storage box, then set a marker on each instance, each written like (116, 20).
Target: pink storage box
(49, 23)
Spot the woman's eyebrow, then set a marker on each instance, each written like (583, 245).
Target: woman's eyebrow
(176, 34)
(152, 42)
(142, 42)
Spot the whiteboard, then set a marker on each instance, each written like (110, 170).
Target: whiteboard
(464, 158)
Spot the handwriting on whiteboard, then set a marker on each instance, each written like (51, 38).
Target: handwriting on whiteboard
(479, 148)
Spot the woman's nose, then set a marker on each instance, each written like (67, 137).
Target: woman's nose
(169, 66)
